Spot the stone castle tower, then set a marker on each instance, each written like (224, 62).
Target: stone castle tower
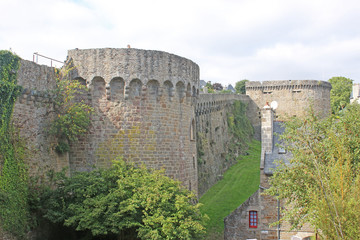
(294, 97)
(144, 110)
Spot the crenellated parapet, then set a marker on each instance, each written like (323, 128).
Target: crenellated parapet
(286, 84)
(208, 103)
(129, 73)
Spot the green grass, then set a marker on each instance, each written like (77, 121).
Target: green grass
(238, 184)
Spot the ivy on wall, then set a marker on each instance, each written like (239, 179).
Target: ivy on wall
(239, 126)
(72, 117)
(210, 159)
(14, 212)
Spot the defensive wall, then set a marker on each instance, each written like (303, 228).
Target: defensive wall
(148, 109)
(214, 137)
(32, 113)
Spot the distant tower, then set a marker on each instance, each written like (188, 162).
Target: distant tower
(294, 97)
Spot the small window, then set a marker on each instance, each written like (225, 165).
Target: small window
(253, 219)
(192, 130)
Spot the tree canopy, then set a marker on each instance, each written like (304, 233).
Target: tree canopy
(210, 88)
(240, 86)
(217, 86)
(126, 201)
(340, 93)
(322, 183)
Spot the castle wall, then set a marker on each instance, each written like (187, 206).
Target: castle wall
(213, 137)
(294, 97)
(148, 112)
(32, 114)
(144, 110)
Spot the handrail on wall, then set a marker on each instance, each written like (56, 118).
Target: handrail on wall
(37, 55)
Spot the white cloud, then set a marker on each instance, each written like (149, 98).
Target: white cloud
(229, 39)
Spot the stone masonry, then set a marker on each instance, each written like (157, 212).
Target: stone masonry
(147, 109)
(144, 110)
(294, 97)
(32, 112)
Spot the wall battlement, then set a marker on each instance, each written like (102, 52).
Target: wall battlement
(125, 71)
(208, 103)
(286, 84)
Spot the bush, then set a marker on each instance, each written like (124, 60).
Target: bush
(124, 201)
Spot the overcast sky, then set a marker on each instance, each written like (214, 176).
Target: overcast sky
(230, 40)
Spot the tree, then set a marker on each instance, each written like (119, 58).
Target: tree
(125, 201)
(72, 117)
(340, 93)
(217, 86)
(209, 87)
(240, 86)
(321, 184)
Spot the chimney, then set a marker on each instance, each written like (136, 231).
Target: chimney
(267, 119)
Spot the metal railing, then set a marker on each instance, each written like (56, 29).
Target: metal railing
(37, 55)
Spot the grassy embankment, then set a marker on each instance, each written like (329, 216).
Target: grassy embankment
(239, 183)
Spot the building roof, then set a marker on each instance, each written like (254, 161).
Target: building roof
(278, 153)
(202, 84)
(231, 88)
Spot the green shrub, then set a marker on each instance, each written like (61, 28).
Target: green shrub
(72, 117)
(124, 201)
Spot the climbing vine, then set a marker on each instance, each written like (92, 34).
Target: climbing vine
(14, 212)
(72, 118)
(240, 127)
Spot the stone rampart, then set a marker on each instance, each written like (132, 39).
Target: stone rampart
(32, 114)
(148, 109)
(213, 136)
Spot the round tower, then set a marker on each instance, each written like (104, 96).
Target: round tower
(144, 110)
(292, 97)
